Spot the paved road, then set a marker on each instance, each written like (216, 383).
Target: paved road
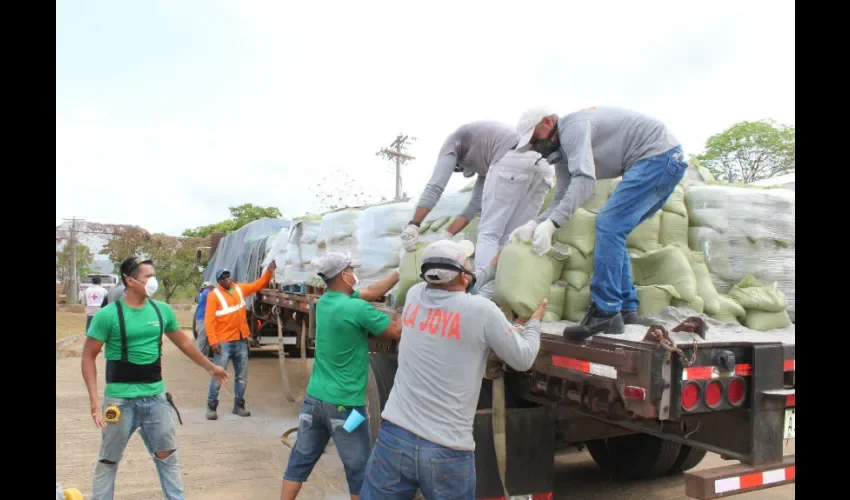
(237, 457)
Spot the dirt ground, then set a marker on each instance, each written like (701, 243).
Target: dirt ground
(237, 457)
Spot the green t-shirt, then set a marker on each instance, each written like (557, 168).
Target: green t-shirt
(143, 339)
(341, 364)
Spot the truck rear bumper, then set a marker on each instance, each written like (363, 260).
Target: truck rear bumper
(734, 479)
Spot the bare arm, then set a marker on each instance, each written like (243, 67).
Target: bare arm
(378, 289)
(187, 347)
(393, 331)
(91, 348)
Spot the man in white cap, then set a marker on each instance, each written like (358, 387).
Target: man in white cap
(344, 321)
(425, 441)
(603, 143)
(509, 190)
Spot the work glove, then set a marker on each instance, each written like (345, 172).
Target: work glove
(445, 235)
(524, 232)
(410, 237)
(543, 237)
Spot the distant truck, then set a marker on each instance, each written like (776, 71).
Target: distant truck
(107, 281)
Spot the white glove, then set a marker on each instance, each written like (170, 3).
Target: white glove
(543, 237)
(524, 232)
(410, 237)
(445, 235)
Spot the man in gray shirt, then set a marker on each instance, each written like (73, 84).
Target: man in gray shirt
(425, 440)
(509, 190)
(603, 143)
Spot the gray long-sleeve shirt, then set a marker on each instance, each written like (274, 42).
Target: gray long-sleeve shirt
(600, 143)
(472, 147)
(445, 340)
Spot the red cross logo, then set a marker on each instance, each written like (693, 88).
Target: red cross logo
(94, 297)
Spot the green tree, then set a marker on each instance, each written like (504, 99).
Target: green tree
(239, 216)
(127, 242)
(174, 260)
(64, 260)
(751, 151)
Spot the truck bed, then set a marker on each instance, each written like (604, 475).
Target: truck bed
(718, 332)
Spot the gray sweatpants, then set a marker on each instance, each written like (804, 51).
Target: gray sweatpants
(513, 194)
(202, 342)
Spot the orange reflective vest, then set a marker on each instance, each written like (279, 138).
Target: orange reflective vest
(225, 318)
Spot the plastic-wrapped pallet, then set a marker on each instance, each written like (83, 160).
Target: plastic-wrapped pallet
(277, 251)
(301, 248)
(378, 236)
(338, 233)
(745, 231)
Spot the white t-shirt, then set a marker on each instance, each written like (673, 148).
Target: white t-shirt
(94, 298)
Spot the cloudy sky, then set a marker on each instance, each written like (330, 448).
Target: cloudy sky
(169, 111)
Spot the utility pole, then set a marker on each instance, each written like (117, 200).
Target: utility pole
(396, 151)
(72, 240)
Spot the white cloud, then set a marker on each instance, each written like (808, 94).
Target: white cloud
(271, 96)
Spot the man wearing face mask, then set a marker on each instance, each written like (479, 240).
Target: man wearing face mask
(344, 321)
(227, 333)
(130, 331)
(603, 143)
(510, 188)
(425, 441)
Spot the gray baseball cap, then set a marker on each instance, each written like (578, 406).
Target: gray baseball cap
(334, 263)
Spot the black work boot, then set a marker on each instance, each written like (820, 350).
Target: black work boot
(239, 408)
(212, 405)
(632, 318)
(595, 321)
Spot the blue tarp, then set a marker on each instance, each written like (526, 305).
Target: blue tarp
(242, 251)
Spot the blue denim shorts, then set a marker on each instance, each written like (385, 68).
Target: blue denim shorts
(317, 423)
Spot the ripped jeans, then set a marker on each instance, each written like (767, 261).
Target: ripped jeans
(153, 418)
(318, 422)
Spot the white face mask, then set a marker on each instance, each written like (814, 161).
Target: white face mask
(151, 286)
(355, 279)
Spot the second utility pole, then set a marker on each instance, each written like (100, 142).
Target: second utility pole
(397, 153)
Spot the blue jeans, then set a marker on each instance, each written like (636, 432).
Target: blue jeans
(237, 351)
(152, 416)
(202, 342)
(643, 191)
(402, 462)
(319, 421)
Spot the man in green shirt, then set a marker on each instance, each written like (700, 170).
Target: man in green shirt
(131, 330)
(344, 321)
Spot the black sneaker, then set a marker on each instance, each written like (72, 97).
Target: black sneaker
(595, 321)
(632, 318)
(211, 410)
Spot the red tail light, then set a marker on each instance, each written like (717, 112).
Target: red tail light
(736, 391)
(690, 395)
(632, 392)
(713, 394)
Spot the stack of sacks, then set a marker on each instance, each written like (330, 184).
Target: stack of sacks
(705, 286)
(729, 311)
(555, 306)
(674, 220)
(301, 248)
(654, 298)
(338, 233)
(745, 230)
(668, 266)
(524, 279)
(379, 240)
(409, 271)
(765, 305)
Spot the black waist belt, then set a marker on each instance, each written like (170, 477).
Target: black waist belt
(123, 371)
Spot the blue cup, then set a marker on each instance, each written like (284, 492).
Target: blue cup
(353, 421)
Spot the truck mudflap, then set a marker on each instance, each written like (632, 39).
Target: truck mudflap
(739, 478)
(530, 452)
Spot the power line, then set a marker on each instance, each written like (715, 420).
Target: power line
(396, 151)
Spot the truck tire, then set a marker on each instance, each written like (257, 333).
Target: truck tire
(636, 456)
(688, 458)
(382, 368)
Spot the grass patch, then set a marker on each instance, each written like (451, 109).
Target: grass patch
(69, 323)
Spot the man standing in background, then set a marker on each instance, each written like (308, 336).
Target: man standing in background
(203, 343)
(95, 296)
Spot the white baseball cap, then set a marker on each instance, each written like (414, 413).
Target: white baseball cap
(525, 126)
(444, 259)
(334, 263)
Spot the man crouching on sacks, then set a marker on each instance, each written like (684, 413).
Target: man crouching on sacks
(603, 143)
(425, 440)
(510, 189)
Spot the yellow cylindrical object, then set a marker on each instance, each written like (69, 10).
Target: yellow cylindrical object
(72, 494)
(112, 414)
